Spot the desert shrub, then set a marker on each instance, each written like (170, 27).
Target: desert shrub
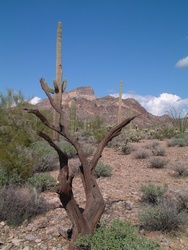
(157, 162)
(141, 154)
(156, 149)
(99, 134)
(7, 178)
(182, 199)
(166, 216)
(171, 143)
(181, 168)
(180, 140)
(19, 204)
(117, 142)
(42, 182)
(152, 193)
(45, 163)
(163, 133)
(68, 149)
(152, 145)
(159, 151)
(118, 235)
(45, 157)
(88, 150)
(127, 149)
(103, 170)
(132, 135)
(16, 164)
(97, 128)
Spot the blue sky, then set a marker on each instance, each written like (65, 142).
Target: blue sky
(144, 43)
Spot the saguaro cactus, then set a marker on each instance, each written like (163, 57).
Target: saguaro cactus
(59, 86)
(120, 102)
(72, 117)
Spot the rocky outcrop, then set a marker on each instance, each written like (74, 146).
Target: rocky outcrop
(88, 106)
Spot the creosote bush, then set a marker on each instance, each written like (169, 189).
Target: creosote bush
(180, 140)
(157, 162)
(45, 157)
(152, 145)
(181, 169)
(159, 151)
(19, 204)
(119, 235)
(127, 149)
(166, 216)
(42, 182)
(141, 154)
(103, 170)
(182, 199)
(153, 193)
(68, 149)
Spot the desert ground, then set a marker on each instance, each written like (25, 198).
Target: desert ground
(122, 194)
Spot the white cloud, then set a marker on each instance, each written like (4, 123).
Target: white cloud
(160, 105)
(182, 62)
(35, 100)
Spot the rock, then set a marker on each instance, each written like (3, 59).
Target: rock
(43, 223)
(30, 237)
(38, 240)
(16, 241)
(2, 224)
(7, 247)
(26, 248)
(128, 205)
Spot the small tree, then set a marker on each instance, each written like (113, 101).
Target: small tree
(85, 220)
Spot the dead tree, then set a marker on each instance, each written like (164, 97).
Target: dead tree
(83, 221)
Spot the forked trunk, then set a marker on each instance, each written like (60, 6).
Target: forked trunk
(84, 221)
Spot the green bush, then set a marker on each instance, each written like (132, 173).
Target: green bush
(19, 204)
(68, 149)
(7, 178)
(16, 164)
(161, 134)
(88, 150)
(45, 157)
(180, 140)
(158, 162)
(103, 170)
(98, 128)
(166, 216)
(42, 182)
(119, 235)
(127, 149)
(152, 193)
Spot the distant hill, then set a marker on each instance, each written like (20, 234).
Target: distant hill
(88, 106)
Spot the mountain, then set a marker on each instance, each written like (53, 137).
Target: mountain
(88, 105)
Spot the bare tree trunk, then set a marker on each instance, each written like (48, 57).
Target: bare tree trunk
(84, 221)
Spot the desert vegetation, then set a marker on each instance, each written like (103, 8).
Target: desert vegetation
(139, 171)
(27, 165)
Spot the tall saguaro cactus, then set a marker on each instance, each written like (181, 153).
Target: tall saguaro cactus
(120, 102)
(59, 86)
(72, 117)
